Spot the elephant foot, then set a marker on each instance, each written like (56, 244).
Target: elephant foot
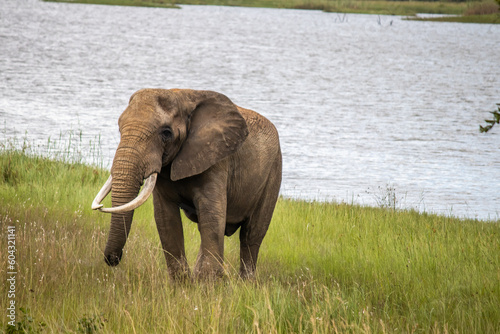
(180, 276)
(248, 275)
(208, 268)
(113, 259)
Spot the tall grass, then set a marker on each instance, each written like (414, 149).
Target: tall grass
(486, 11)
(323, 267)
(487, 7)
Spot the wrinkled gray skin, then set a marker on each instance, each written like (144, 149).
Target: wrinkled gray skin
(218, 162)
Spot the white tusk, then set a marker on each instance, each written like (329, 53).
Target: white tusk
(149, 185)
(106, 188)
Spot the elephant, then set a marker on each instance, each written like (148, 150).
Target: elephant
(197, 151)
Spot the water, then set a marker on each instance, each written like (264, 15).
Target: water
(366, 106)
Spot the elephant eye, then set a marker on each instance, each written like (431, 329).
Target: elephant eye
(166, 133)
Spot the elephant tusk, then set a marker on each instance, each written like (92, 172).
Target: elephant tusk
(149, 185)
(106, 188)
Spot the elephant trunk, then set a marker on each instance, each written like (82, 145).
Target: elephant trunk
(127, 177)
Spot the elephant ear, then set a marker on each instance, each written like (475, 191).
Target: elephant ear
(216, 130)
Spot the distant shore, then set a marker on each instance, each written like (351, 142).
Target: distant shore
(463, 11)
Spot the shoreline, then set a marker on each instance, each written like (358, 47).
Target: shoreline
(371, 7)
(60, 157)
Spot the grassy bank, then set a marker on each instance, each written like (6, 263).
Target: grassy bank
(342, 6)
(380, 7)
(485, 19)
(324, 267)
(133, 3)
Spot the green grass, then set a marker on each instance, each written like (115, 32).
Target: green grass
(323, 267)
(486, 11)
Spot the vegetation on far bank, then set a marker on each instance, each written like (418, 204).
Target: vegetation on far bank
(485, 11)
(485, 19)
(323, 267)
(132, 3)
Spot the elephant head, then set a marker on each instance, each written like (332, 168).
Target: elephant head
(187, 130)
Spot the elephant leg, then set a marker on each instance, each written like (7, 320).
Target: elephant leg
(254, 229)
(251, 235)
(211, 224)
(169, 224)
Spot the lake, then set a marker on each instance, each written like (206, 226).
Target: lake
(373, 110)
